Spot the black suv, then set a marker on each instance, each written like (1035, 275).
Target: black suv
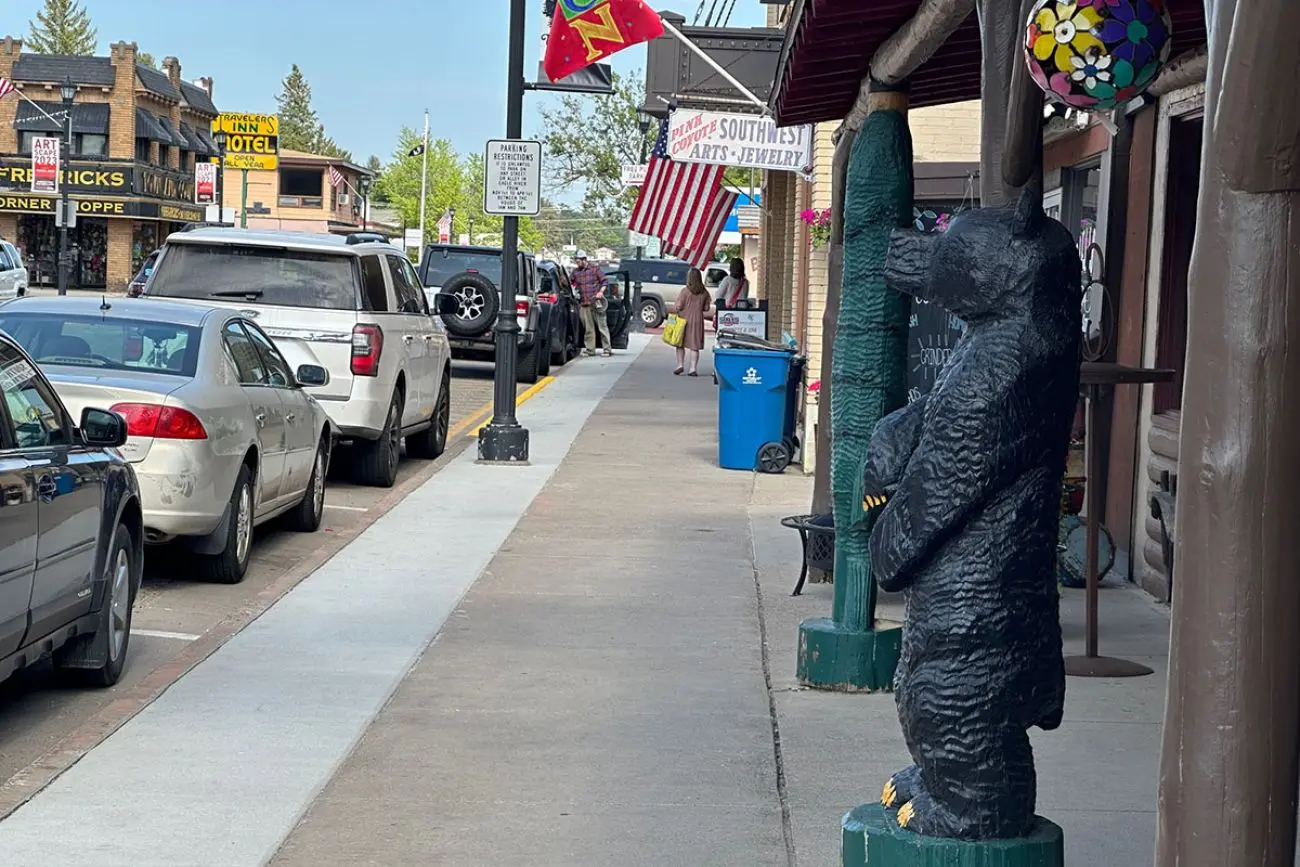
(472, 275)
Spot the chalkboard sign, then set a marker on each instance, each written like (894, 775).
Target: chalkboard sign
(933, 332)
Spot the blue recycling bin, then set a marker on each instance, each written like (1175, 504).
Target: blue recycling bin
(752, 387)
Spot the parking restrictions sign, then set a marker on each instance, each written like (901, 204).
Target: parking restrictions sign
(512, 184)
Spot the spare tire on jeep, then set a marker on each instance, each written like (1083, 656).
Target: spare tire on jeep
(479, 303)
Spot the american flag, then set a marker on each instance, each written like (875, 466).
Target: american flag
(717, 218)
(336, 177)
(683, 204)
(6, 87)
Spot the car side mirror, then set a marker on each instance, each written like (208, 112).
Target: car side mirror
(446, 304)
(312, 376)
(99, 427)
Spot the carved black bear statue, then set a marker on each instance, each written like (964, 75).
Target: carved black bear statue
(969, 478)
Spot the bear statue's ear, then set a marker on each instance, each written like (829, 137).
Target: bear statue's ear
(1029, 211)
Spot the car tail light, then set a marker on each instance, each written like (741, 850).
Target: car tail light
(548, 297)
(521, 308)
(367, 346)
(162, 422)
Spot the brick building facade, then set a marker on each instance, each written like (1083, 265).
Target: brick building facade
(137, 133)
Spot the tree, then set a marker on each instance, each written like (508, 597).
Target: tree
(588, 141)
(400, 182)
(376, 165)
(300, 128)
(144, 58)
(62, 27)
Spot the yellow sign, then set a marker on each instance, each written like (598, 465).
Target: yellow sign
(252, 140)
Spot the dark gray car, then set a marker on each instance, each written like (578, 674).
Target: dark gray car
(71, 541)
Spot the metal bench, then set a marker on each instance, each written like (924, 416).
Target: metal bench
(1163, 503)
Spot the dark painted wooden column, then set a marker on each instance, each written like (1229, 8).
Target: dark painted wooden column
(821, 502)
(1000, 35)
(1231, 757)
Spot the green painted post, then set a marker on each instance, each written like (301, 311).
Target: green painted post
(868, 381)
(243, 199)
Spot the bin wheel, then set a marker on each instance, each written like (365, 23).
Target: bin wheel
(791, 444)
(773, 458)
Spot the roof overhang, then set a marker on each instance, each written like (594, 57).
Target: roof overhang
(829, 45)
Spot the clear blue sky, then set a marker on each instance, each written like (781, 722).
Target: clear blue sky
(373, 66)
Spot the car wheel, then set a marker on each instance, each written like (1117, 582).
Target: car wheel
(307, 517)
(529, 365)
(377, 460)
(121, 579)
(652, 315)
(229, 566)
(479, 303)
(430, 443)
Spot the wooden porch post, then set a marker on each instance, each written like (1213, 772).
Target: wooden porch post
(1231, 756)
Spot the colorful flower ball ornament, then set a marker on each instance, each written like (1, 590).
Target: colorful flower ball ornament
(1097, 54)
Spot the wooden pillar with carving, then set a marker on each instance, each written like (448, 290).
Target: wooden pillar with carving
(1231, 756)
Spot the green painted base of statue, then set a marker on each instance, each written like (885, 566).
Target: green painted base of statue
(872, 836)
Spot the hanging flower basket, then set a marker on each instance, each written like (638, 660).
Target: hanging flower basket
(819, 226)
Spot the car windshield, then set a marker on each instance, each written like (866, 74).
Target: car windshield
(256, 275)
(445, 264)
(105, 343)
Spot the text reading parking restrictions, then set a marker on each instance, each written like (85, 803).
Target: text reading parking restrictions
(512, 184)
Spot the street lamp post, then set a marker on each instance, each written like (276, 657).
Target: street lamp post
(504, 440)
(219, 139)
(363, 187)
(451, 227)
(638, 324)
(68, 91)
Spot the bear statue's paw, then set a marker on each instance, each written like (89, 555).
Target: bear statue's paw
(871, 501)
(901, 787)
(918, 814)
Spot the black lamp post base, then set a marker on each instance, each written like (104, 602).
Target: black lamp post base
(503, 444)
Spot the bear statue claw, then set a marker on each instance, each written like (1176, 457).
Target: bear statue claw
(901, 787)
(871, 501)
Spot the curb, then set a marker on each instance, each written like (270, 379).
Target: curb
(28, 782)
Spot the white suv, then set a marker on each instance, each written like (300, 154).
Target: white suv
(352, 304)
(13, 273)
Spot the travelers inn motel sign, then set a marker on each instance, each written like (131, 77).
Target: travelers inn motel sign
(252, 140)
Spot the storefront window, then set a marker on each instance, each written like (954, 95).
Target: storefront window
(144, 240)
(37, 234)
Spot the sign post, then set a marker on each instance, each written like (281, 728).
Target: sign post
(252, 144)
(512, 186)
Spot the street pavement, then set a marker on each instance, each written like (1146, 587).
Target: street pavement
(588, 661)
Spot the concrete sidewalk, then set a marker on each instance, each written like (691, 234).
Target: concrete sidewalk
(616, 686)
(601, 697)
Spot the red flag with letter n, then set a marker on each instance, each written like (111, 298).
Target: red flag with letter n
(585, 31)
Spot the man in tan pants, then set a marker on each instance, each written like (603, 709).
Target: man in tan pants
(590, 283)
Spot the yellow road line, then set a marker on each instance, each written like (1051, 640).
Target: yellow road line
(523, 398)
(469, 421)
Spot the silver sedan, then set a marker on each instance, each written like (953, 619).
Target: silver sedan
(221, 432)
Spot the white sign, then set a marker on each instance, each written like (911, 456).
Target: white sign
(513, 178)
(205, 183)
(743, 140)
(414, 239)
(652, 246)
(45, 164)
(633, 175)
(751, 322)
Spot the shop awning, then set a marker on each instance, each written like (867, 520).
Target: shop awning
(146, 126)
(168, 127)
(829, 45)
(90, 117)
(206, 137)
(193, 143)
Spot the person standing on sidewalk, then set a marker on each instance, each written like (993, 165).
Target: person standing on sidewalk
(694, 306)
(590, 283)
(734, 286)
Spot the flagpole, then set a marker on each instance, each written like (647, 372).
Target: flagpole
(424, 179)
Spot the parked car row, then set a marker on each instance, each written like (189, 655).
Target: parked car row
(209, 405)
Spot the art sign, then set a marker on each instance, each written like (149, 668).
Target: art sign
(45, 164)
(205, 183)
(743, 140)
